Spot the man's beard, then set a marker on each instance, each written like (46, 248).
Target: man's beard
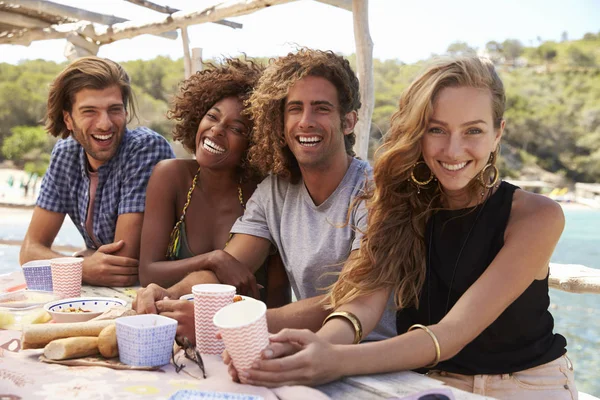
(87, 142)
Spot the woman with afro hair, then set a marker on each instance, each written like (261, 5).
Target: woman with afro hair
(191, 204)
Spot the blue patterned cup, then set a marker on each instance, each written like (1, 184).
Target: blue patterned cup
(145, 340)
(38, 275)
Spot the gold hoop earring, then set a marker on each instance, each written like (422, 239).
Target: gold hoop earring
(482, 177)
(418, 182)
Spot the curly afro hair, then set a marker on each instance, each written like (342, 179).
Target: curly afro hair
(198, 93)
(269, 152)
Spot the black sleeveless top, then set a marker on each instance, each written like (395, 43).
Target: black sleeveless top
(522, 336)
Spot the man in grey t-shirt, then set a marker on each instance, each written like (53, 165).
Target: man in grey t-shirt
(305, 110)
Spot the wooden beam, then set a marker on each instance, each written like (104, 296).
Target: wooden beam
(364, 68)
(20, 20)
(231, 24)
(574, 278)
(169, 10)
(61, 10)
(25, 38)
(154, 6)
(231, 8)
(345, 4)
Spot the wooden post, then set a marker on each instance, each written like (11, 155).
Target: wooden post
(196, 59)
(364, 69)
(187, 60)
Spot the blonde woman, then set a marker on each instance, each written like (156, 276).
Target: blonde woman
(465, 254)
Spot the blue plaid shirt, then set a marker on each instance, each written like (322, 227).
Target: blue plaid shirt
(121, 182)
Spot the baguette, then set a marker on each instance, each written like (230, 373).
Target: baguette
(38, 336)
(107, 342)
(73, 347)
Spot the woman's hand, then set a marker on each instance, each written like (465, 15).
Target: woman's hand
(313, 361)
(274, 350)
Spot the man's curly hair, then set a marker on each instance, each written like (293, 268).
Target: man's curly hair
(270, 152)
(198, 93)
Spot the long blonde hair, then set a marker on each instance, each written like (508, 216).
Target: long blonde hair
(392, 251)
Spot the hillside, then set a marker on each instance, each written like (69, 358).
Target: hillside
(553, 104)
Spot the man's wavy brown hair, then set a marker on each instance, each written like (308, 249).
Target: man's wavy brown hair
(393, 251)
(198, 93)
(270, 151)
(85, 73)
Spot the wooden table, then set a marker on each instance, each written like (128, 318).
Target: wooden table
(574, 278)
(380, 386)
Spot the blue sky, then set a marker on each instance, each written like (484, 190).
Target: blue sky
(408, 30)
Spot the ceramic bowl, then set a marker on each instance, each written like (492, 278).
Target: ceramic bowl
(145, 340)
(80, 309)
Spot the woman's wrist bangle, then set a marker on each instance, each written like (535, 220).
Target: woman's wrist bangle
(436, 343)
(354, 321)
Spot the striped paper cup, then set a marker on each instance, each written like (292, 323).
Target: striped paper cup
(243, 326)
(67, 273)
(208, 299)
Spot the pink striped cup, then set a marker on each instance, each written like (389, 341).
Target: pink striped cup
(67, 273)
(208, 299)
(243, 326)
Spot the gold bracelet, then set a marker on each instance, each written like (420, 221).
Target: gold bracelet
(352, 319)
(435, 342)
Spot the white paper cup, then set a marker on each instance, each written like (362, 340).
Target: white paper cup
(243, 326)
(208, 299)
(67, 273)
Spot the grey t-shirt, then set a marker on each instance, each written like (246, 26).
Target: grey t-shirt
(313, 241)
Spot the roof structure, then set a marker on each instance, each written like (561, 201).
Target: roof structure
(25, 21)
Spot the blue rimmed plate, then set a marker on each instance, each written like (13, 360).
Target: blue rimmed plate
(80, 309)
(209, 395)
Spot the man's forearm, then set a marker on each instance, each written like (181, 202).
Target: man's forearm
(36, 251)
(195, 278)
(303, 314)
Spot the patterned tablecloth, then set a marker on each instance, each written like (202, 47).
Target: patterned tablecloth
(23, 376)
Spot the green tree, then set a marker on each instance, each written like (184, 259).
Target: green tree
(460, 49)
(578, 57)
(512, 49)
(547, 52)
(27, 143)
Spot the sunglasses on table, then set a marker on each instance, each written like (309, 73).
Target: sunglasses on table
(190, 352)
(431, 394)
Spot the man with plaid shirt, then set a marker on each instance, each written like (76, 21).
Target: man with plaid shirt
(98, 172)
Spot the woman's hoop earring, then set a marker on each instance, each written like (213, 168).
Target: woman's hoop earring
(418, 182)
(482, 177)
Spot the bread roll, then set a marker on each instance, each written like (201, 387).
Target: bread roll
(107, 342)
(74, 347)
(37, 336)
